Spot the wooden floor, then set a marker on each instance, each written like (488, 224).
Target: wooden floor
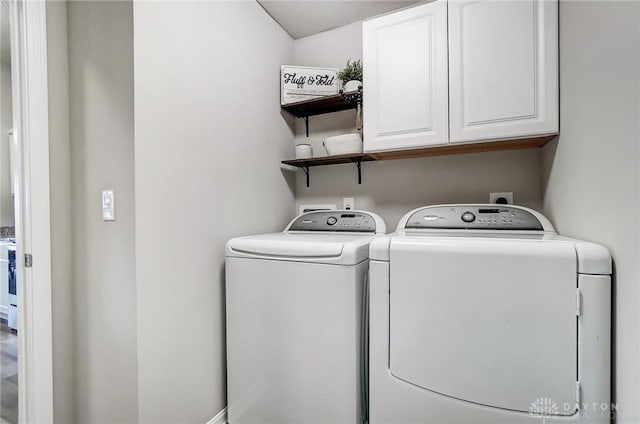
(8, 375)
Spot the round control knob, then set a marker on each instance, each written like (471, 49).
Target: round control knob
(332, 220)
(468, 217)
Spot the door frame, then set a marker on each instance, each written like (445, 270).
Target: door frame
(32, 204)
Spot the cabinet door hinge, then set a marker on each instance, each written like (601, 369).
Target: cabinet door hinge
(28, 260)
(578, 302)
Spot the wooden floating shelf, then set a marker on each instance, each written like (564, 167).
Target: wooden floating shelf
(319, 106)
(451, 149)
(458, 148)
(357, 159)
(328, 160)
(344, 100)
(492, 146)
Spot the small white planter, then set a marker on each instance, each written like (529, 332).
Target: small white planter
(352, 85)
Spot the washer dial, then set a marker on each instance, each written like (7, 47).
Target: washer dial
(468, 217)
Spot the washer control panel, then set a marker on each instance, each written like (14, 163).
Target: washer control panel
(486, 217)
(334, 221)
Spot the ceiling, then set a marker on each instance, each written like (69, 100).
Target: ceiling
(301, 18)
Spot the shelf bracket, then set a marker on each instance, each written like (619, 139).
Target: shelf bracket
(306, 124)
(305, 168)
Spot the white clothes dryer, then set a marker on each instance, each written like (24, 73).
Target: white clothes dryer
(295, 327)
(482, 314)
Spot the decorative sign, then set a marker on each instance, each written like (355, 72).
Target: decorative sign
(303, 83)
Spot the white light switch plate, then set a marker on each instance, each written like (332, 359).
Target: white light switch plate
(108, 205)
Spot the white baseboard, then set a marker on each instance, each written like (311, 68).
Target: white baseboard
(220, 418)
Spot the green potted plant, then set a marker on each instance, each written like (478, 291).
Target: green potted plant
(351, 75)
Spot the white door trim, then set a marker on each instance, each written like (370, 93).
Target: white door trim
(33, 232)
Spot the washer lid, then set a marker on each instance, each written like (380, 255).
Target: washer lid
(333, 248)
(338, 237)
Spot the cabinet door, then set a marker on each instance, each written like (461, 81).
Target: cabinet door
(503, 59)
(405, 79)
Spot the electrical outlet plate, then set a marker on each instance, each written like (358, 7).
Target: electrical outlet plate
(349, 203)
(493, 197)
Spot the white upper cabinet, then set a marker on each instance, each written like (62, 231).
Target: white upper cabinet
(461, 71)
(503, 69)
(405, 79)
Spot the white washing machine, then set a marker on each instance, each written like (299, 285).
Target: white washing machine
(295, 327)
(483, 314)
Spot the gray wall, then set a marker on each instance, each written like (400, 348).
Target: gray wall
(60, 196)
(209, 137)
(392, 188)
(591, 179)
(6, 123)
(101, 112)
(215, 155)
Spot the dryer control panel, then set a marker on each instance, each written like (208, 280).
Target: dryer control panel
(334, 221)
(484, 217)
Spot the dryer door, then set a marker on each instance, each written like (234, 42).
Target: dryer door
(490, 321)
